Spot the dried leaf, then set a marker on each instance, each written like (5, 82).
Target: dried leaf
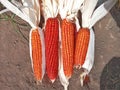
(88, 8)
(101, 11)
(16, 11)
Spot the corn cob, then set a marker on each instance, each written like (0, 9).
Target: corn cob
(67, 39)
(51, 47)
(82, 41)
(37, 54)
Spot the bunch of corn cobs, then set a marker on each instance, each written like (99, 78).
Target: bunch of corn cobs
(65, 41)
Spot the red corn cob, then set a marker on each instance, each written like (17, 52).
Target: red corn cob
(68, 36)
(51, 47)
(82, 41)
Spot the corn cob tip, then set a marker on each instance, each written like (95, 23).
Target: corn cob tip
(68, 77)
(39, 82)
(53, 80)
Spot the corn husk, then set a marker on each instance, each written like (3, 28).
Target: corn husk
(90, 16)
(101, 11)
(16, 10)
(29, 11)
(50, 8)
(67, 11)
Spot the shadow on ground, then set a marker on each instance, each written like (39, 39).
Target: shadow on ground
(115, 12)
(110, 77)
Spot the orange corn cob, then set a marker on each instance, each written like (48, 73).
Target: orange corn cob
(36, 54)
(51, 47)
(67, 36)
(82, 41)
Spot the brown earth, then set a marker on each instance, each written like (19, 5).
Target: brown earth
(15, 66)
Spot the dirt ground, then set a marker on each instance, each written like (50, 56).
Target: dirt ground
(15, 66)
